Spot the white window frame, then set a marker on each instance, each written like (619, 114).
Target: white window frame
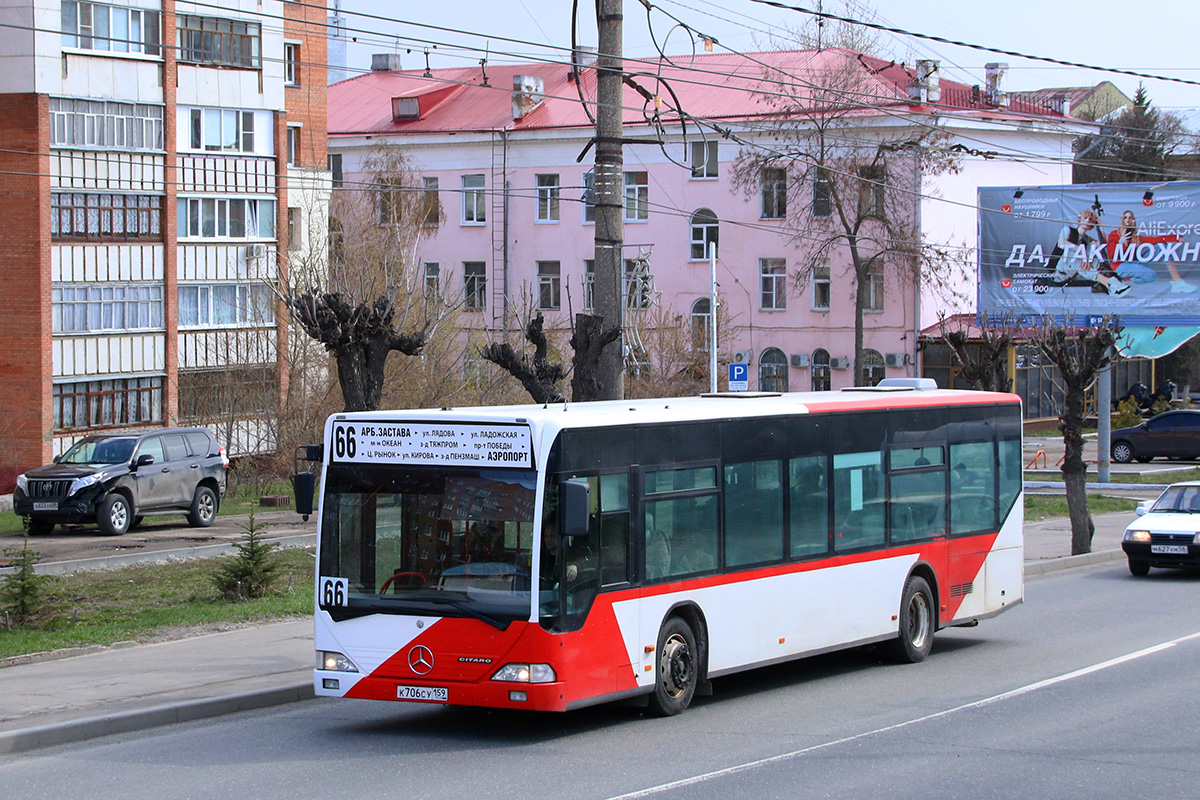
(82, 28)
(79, 123)
(772, 284)
(474, 286)
(293, 143)
(704, 160)
(637, 196)
(589, 284)
(875, 294)
(589, 198)
(85, 308)
(548, 190)
(474, 199)
(225, 305)
(291, 63)
(223, 130)
(432, 278)
(191, 213)
(703, 231)
(821, 280)
(549, 275)
(773, 196)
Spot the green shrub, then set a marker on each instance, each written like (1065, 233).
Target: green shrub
(1127, 414)
(253, 571)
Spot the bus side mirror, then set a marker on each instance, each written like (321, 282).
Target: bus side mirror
(575, 498)
(303, 487)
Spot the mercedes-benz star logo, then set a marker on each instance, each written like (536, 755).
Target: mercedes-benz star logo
(420, 659)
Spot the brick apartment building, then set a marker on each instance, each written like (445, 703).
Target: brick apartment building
(154, 156)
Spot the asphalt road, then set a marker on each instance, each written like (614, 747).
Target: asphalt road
(1083, 690)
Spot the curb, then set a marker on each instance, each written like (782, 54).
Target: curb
(1048, 565)
(20, 741)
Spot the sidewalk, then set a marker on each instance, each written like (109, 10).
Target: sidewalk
(124, 688)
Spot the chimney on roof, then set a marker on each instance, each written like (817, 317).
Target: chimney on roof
(1061, 103)
(528, 93)
(582, 58)
(993, 73)
(385, 62)
(927, 76)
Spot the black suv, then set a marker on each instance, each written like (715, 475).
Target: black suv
(116, 479)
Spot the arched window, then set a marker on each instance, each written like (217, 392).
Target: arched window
(773, 371)
(820, 370)
(872, 367)
(704, 232)
(701, 318)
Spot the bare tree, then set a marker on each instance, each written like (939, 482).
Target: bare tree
(1080, 354)
(983, 363)
(537, 372)
(371, 301)
(851, 191)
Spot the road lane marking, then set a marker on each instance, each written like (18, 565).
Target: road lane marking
(1032, 687)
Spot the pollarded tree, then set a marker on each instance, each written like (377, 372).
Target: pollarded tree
(1133, 147)
(983, 363)
(372, 299)
(848, 179)
(1080, 354)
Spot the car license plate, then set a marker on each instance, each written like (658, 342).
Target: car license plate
(433, 694)
(1170, 549)
(45, 506)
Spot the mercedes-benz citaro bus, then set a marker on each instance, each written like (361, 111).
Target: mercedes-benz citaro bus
(554, 557)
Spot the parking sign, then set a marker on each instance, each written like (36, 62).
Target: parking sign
(739, 377)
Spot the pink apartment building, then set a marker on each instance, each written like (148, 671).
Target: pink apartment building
(508, 156)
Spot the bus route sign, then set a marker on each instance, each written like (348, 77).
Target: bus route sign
(459, 444)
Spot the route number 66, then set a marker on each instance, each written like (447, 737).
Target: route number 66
(334, 591)
(344, 443)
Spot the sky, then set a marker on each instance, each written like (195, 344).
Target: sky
(1105, 33)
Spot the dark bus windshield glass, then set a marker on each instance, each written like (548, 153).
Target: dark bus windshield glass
(106, 450)
(427, 540)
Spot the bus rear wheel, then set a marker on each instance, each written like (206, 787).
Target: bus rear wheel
(676, 675)
(914, 639)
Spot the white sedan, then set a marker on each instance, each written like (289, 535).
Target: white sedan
(1166, 532)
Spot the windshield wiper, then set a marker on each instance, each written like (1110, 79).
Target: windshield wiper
(364, 607)
(463, 607)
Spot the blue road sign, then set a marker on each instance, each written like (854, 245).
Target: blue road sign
(739, 377)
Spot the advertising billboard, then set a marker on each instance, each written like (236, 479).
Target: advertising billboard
(1081, 251)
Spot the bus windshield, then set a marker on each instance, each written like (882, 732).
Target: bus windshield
(430, 540)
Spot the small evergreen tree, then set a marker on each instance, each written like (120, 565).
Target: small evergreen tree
(253, 571)
(21, 592)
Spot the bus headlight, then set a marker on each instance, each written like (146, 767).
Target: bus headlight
(525, 673)
(334, 662)
(1137, 536)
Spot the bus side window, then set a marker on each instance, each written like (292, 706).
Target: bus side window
(972, 484)
(858, 500)
(614, 528)
(753, 512)
(809, 500)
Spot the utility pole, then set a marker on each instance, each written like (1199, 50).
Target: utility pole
(610, 193)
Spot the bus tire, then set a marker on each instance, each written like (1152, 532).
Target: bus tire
(677, 669)
(914, 639)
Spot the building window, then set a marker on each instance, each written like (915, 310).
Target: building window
(774, 193)
(293, 144)
(104, 123)
(821, 375)
(589, 284)
(223, 304)
(100, 404)
(390, 200)
(223, 130)
(335, 167)
(547, 198)
(433, 278)
(589, 196)
(637, 197)
(84, 309)
(291, 65)
(225, 218)
(238, 391)
(215, 40)
(701, 318)
(820, 286)
(474, 285)
(871, 191)
(874, 299)
(873, 369)
(772, 278)
(92, 26)
(773, 371)
(549, 285)
(705, 228)
(431, 206)
(821, 205)
(704, 159)
(474, 211)
(295, 230)
(113, 217)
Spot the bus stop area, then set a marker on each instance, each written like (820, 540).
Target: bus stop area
(63, 697)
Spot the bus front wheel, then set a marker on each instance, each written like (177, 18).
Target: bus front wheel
(914, 639)
(676, 674)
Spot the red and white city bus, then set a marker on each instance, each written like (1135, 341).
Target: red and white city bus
(553, 557)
